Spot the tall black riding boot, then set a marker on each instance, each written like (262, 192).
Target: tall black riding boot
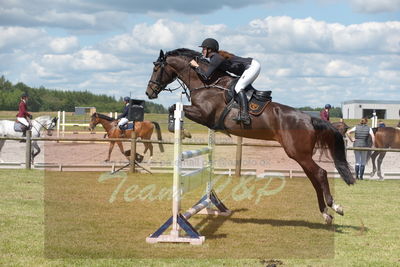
(23, 135)
(357, 171)
(362, 169)
(244, 109)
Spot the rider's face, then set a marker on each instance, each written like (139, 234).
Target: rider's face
(204, 51)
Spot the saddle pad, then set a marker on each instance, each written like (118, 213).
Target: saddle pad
(18, 127)
(256, 106)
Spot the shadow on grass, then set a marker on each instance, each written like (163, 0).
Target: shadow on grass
(211, 224)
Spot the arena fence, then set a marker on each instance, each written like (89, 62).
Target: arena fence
(237, 171)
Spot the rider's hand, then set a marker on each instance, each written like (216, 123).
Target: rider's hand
(30, 116)
(193, 63)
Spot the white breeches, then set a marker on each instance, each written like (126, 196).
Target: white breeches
(23, 121)
(122, 122)
(248, 76)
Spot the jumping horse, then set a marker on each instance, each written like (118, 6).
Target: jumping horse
(385, 137)
(143, 129)
(296, 131)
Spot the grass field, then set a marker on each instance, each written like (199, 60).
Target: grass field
(87, 219)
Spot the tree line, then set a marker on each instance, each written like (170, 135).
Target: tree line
(42, 99)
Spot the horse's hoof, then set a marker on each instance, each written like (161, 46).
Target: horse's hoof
(328, 218)
(107, 160)
(338, 209)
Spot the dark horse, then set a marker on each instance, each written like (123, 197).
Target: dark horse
(297, 132)
(385, 137)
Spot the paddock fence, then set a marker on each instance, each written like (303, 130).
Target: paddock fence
(237, 170)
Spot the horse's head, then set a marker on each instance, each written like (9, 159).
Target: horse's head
(163, 74)
(94, 120)
(51, 126)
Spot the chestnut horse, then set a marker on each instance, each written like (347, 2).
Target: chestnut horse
(385, 137)
(143, 129)
(296, 131)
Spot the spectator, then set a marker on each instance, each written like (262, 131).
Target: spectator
(324, 114)
(381, 124)
(362, 133)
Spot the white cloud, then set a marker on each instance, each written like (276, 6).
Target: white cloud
(17, 37)
(376, 6)
(64, 44)
(309, 35)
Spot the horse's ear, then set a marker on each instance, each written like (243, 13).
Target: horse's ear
(161, 56)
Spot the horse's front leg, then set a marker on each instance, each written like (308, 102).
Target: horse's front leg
(110, 149)
(121, 148)
(34, 154)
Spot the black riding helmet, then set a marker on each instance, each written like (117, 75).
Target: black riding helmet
(210, 43)
(24, 95)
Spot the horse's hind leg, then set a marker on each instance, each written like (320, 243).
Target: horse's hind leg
(379, 163)
(373, 157)
(319, 180)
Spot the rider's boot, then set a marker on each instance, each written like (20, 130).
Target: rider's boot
(243, 115)
(121, 131)
(24, 134)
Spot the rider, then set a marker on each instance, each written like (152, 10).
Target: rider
(324, 114)
(23, 115)
(247, 68)
(123, 116)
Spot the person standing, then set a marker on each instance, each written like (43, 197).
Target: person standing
(23, 115)
(362, 132)
(324, 114)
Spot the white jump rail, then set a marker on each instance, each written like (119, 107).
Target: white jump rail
(182, 230)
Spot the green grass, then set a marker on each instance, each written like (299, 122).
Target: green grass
(79, 228)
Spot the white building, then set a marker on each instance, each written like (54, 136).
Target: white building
(385, 109)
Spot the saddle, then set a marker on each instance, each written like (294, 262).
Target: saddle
(129, 126)
(258, 100)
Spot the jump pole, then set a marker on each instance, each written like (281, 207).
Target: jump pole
(181, 230)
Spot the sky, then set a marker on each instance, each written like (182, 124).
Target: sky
(311, 52)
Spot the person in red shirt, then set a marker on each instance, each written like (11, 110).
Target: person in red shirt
(324, 114)
(23, 115)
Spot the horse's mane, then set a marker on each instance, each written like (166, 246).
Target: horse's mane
(102, 116)
(42, 118)
(185, 52)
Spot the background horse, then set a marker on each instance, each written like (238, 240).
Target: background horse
(296, 131)
(385, 137)
(40, 124)
(143, 129)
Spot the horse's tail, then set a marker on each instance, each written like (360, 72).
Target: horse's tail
(328, 136)
(159, 136)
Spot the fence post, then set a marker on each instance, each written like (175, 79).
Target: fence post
(238, 163)
(28, 154)
(133, 152)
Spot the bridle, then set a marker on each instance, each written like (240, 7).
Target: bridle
(48, 126)
(162, 63)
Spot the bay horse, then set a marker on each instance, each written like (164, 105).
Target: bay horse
(296, 131)
(143, 129)
(385, 137)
